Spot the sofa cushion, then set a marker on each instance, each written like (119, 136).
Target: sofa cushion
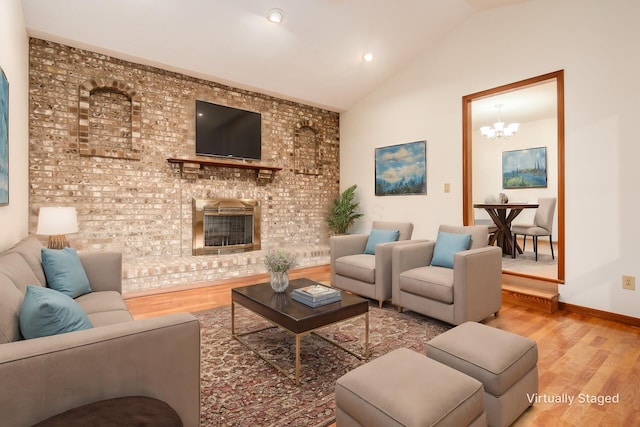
(16, 268)
(435, 283)
(447, 244)
(380, 236)
(47, 312)
(10, 302)
(96, 302)
(64, 272)
(360, 267)
(106, 318)
(104, 308)
(30, 248)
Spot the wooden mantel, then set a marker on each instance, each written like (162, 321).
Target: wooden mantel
(189, 168)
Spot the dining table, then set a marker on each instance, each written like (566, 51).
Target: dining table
(502, 214)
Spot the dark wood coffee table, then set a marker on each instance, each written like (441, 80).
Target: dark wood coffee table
(295, 317)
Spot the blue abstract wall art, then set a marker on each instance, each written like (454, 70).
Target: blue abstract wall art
(4, 139)
(401, 169)
(524, 168)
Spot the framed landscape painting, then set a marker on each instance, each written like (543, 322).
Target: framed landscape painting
(401, 169)
(524, 168)
(4, 139)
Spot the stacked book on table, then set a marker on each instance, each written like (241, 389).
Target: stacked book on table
(316, 295)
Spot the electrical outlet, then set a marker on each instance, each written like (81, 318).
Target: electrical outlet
(629, 282)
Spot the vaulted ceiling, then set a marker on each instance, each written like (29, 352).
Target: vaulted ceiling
(314, 56)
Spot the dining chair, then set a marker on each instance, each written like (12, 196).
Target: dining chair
(542, 226)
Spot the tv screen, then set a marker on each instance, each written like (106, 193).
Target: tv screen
(227, 132)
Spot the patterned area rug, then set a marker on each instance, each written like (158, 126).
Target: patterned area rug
(240, 389)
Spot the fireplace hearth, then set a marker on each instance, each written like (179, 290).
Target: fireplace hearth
(223, 226)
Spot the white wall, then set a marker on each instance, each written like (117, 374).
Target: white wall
(595, 42)
(14, 60)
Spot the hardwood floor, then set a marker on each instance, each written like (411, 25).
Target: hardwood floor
(580, 357)
(207, 295)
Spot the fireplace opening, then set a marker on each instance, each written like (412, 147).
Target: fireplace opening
(225, 226)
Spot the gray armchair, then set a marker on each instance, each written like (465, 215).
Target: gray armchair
(470, 291)
(365, 274)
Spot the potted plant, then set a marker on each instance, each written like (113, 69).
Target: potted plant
(278, 264)
(343, 212)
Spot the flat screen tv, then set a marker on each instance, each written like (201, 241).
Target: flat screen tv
(227, 132)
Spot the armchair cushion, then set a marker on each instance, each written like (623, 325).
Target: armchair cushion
(479, 233)
(65, 272)
(447, 245)
(435, 283)
(46, 312)
(380, 236)
(360, 267)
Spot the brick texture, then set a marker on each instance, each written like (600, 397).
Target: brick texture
(110, 162)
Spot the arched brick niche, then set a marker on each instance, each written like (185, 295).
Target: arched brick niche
(109, 120)
(305, 144)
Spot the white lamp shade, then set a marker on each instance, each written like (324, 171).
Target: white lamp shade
(54, 221)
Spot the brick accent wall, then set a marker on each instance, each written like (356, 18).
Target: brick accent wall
(101, 130)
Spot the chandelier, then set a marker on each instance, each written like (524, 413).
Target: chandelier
(499, 130)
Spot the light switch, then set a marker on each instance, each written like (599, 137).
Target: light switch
(447, 187)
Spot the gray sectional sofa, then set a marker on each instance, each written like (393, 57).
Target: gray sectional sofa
(41, 377)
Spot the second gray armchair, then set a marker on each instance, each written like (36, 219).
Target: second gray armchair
(360, 266)
(454, 283)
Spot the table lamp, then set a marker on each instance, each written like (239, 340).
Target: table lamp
(57, 222)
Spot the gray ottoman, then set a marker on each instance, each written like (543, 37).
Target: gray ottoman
(405, 388)
(504, 362)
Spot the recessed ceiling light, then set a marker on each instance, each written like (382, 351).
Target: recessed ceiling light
(368, 57)
(275, 15)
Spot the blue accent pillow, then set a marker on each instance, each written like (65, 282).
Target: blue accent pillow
(47, 312)
(64, 272)
(380, 236)
(447, 245)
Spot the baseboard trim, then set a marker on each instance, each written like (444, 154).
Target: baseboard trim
(601, 314)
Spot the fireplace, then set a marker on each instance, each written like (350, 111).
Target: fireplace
(225, 226)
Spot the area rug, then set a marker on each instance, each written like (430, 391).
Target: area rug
(240, 389)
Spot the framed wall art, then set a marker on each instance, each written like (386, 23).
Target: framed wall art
(401, 169)
(525, 168)
(4, 139)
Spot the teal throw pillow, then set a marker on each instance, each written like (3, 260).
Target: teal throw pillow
(380, 236)
(64, 272)
(47, 312)
(447, 245)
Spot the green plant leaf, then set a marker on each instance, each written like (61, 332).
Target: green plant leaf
(343, 212)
